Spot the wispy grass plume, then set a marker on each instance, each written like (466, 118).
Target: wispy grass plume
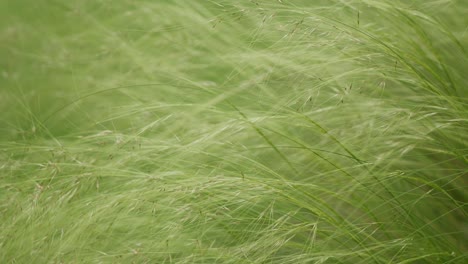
(216, 131)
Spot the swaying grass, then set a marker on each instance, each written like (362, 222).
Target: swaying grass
(183, 131)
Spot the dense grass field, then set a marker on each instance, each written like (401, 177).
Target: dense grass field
(217, 131)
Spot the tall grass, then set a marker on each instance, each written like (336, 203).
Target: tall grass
(233, 131)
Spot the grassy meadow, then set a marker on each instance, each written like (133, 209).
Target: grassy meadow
(217, 131)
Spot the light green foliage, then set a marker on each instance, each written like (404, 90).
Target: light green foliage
(262, 131)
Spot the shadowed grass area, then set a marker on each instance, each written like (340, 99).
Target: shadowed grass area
(233, 131)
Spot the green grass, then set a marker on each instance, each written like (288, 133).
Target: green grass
(291, 131)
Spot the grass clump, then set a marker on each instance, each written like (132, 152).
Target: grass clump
(233, 132)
